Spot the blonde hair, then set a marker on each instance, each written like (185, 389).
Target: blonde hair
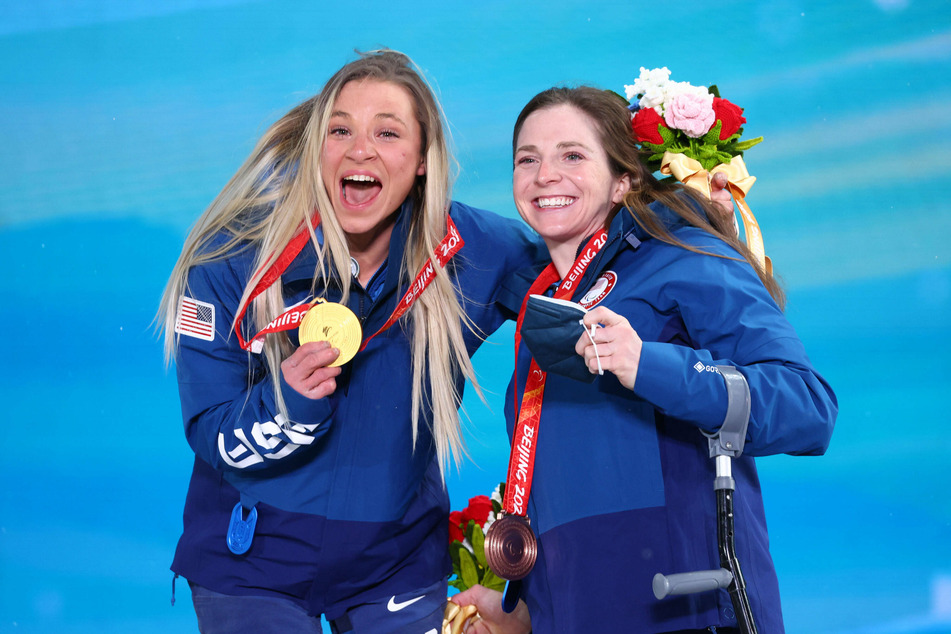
(276, 191)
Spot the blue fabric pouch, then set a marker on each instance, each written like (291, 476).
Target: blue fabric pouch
(551, 328)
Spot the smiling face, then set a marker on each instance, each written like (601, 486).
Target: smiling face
(371, 157)
(562, 182)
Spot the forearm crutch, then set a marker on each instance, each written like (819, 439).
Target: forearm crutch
(725, 445)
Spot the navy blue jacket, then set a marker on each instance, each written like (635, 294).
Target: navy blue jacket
(348, 509)
(623, 484)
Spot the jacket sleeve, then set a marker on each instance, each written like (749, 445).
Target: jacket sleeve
(228, 399)
(730, 319)
(496, 247)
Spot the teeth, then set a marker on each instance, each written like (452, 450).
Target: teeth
(360, 178)
(555, 201)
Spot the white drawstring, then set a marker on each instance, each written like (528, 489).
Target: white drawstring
(591, 337)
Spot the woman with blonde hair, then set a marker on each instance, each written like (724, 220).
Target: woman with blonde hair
(317, 486)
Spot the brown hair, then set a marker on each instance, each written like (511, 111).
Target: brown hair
(612, 120)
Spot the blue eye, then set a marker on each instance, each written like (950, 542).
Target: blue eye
(574, 156)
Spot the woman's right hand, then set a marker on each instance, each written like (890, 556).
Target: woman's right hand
(306, 370)
(618, 348)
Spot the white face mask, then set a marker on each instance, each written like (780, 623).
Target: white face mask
(550, 329)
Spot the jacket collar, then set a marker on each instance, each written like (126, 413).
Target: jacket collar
(304, 266)
(398, 241)
(623, 233)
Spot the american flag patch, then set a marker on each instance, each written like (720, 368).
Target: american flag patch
(195, 319)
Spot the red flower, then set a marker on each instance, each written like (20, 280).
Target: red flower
(455, 527)
(479, 508)
(730, 115)
(645, 124)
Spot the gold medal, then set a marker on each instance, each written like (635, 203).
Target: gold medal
(335, 323)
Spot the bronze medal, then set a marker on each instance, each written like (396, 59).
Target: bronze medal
(335, 323)
(510, 547)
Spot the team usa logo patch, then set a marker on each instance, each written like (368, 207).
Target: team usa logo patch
(600, 290)
(195, 319)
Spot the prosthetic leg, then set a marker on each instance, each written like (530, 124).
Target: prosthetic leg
(725, 445)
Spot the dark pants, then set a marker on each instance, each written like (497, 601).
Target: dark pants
(419, 612)
(709, 630)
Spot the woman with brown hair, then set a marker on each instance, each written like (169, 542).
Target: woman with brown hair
(611, 464)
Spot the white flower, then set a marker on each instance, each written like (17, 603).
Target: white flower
(675, 88)
(495, 497)
(682, 87)
(651, 85)
(655, 98)
(654, 76)
(657, 91)
(497, 494)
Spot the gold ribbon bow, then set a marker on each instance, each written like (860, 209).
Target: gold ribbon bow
(689, 172)
(455, 617)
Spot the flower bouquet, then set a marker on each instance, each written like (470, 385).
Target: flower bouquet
(467, 530)
(690, 132)
(680, 118)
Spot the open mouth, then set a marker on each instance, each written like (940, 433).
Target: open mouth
(359, 189)
(554, 202)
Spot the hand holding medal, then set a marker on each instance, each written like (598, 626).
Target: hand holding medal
(334, 323)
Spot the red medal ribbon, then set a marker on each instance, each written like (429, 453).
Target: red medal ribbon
(291, 251)
(518, 486)
(291, 318)
(447, 247)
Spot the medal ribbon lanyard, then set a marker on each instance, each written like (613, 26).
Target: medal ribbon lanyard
(518, 485)
(291, 318)
(447, 247)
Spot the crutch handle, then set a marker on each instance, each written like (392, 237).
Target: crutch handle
(691, 582)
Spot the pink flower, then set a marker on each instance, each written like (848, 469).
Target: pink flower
(691, 113)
